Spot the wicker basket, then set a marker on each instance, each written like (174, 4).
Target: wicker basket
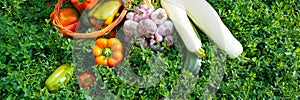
(95, 34)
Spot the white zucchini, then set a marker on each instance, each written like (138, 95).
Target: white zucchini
(207, 19)
(177, 13)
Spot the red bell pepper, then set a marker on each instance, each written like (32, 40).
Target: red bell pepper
(86, 4)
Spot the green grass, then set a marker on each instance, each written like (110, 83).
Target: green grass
(269, 32)
(31, 49)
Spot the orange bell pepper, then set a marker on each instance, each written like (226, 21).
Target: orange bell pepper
(108, 51)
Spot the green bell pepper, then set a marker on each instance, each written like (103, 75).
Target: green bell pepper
(59, 77)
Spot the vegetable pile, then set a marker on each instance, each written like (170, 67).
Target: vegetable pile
(31, 50)
(151, 28)
(97, 17)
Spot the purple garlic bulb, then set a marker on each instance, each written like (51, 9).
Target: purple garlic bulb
(130, 15)
(146, 28)
(130, 28)
(142, 12)
(159, 16)
(169, 40)
(165, 28)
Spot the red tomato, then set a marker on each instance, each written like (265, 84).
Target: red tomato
(85, 79)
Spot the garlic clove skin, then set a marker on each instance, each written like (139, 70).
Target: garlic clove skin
(142, 12)
(130, 28)
(146, 28)
(166, 28)
(130, 15)
(159, 16)
(169, 40)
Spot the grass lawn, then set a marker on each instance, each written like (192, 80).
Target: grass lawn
(31, 49)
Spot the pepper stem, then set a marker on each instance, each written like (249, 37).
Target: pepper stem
(81, 1)
(107, 52)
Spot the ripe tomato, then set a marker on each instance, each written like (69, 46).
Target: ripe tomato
(86, 79)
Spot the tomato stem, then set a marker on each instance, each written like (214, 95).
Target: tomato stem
(86, 79)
